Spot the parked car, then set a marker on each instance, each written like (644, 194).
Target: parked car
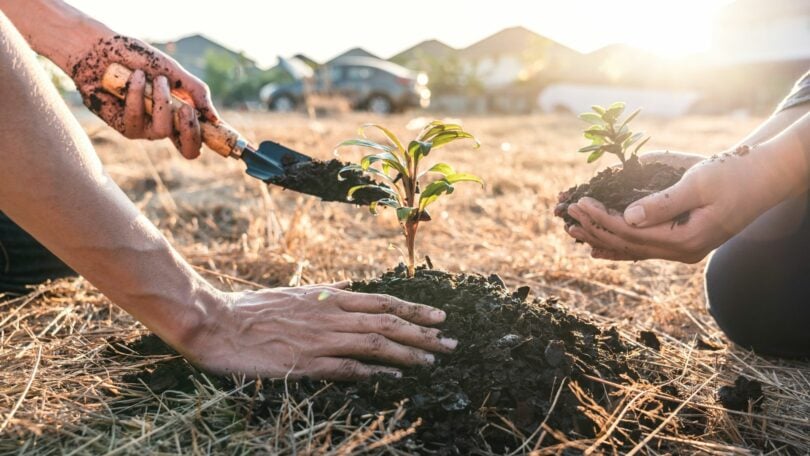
(367, 83)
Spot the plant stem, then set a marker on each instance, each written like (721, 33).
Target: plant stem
(410, 241)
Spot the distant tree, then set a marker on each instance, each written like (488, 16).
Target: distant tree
(221, 71)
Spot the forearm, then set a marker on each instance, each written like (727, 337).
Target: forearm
(784, 159)
(54, 29)
(53, 185)
(775, 124)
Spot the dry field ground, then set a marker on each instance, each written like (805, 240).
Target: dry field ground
(60, 390)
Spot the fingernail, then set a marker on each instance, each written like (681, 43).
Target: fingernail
(430, 358)
(574, 211)
(448, 343)
(438, 315)
(635, 215)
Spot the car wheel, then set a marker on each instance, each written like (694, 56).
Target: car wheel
(380, 104)
(283, 103)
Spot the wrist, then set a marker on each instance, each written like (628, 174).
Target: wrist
(55, 29)
(779, 172)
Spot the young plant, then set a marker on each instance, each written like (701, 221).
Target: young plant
(399, 170)
(608, 135)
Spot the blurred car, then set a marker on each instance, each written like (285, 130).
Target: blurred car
(367, 83)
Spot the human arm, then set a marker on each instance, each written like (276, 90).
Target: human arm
(84, 48)
(53, 185)
(722, 195)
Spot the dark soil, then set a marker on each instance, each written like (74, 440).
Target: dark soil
(649, 339)
(513, 356)
(617, 188)
(320, 178)
(741, 395)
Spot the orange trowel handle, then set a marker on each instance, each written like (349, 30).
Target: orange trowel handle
(220, 137)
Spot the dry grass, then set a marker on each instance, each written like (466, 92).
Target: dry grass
(60, 389)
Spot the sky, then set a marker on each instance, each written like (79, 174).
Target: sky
(322, 29)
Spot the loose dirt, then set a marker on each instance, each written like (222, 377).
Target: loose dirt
(320, 178)
(617, 188)
(516, 362)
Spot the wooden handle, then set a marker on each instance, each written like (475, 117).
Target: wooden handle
(220, 137)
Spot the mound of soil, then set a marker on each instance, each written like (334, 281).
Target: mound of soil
(516, 361)
(617, 188)
(320, 178)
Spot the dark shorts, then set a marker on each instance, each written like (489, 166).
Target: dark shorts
(24, 261)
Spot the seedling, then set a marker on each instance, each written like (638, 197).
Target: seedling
(398, 169)
(607, 135)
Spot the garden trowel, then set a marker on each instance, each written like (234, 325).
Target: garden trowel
(270, 162)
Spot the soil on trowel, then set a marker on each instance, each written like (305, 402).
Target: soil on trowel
(515, 365)
(617, 188)
(320, 178)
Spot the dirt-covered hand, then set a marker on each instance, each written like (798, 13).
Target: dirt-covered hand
(721, 196)
(319, 331)
(167, 78)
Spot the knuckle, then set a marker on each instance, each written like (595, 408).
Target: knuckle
(375, 343)
(387, 322)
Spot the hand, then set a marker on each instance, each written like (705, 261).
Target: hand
(319, 331)
(674, 159)
(721, 195)
(167, 78)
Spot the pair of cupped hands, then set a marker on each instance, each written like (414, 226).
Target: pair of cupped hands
(324, 331)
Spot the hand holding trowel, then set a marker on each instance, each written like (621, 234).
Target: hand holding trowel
(270, 162)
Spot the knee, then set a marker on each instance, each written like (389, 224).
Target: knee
(726, 302)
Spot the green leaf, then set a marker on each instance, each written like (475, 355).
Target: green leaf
(464, 177)
(447, 137)
(359, 169)
(383, 188)
(405, 213)
(591, 118)
(635, 152)
(595, 156)
(613, 112)
(596, 131)
(629, 118)
(442, 168)
(433, 191)
(387, 158)
(590, 148)
(365, 143)
(632, 140)
(436, 127)
(388, 134)
(418, 149)
(598, 109)
(388, 202)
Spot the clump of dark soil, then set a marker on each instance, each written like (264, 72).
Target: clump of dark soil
(320, 178)
(649, 339)
(741, 395)
(617, 188)
(515, 363)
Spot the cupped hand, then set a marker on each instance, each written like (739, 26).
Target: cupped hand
(721, 196)
(167, 77)
(319, 331)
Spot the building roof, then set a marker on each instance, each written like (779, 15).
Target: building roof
(513, 40)
(353, 52)
(433, 48)
(191, 52)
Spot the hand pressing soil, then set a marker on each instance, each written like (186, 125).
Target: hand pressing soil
(515, 361)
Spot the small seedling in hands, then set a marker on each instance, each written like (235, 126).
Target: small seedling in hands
(399, 167)
(608, 135)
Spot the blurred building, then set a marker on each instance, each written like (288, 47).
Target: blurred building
(195, 51)
(759, 49)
